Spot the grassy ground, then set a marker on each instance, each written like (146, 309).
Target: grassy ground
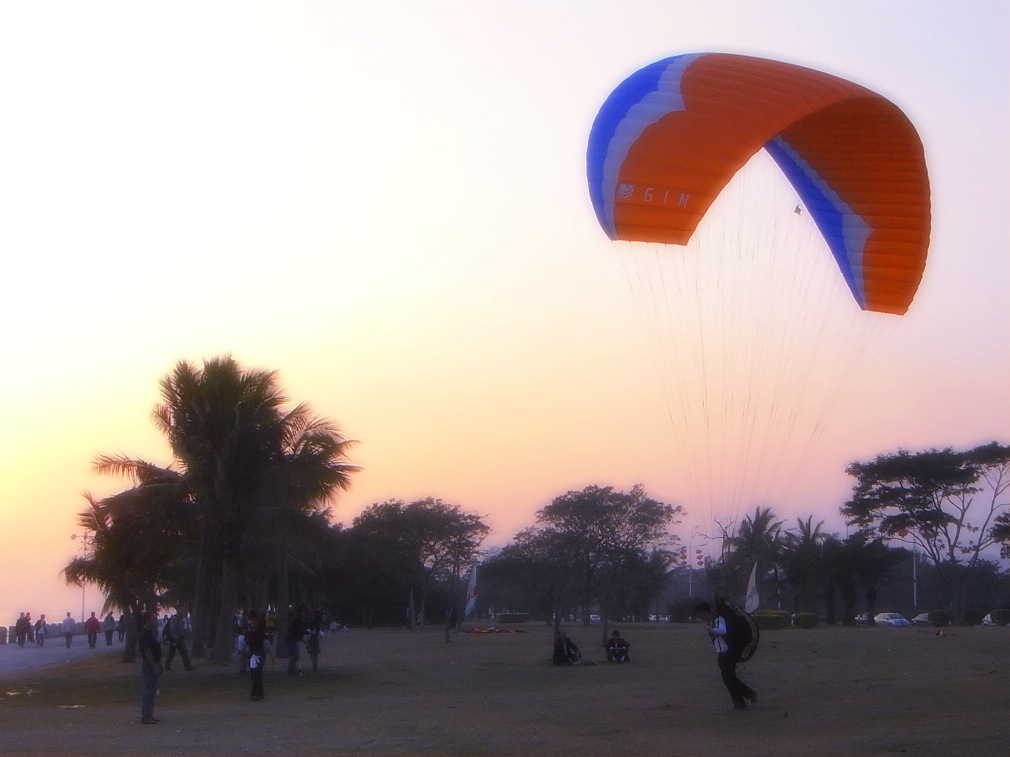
(822, 691)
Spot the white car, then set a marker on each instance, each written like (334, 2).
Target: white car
(890, 619)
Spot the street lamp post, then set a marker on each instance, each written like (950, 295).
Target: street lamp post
(84, 548)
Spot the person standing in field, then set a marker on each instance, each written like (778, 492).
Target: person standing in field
(176, 631)
(258, 648)
(312, 640)
(727, 652)
(241, 648)
(40, 630)
(150, 667)
(293, 640)
(69, 626)
(109, 626)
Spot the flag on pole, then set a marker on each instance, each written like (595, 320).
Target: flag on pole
(753, 599)
(471, 593)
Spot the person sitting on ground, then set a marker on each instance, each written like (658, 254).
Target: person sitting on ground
(617, 648)
(565, 650)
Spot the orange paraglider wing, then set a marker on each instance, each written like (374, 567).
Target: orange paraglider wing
(673, 134)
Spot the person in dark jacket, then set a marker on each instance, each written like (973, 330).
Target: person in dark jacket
(150, 667)
(258, 648)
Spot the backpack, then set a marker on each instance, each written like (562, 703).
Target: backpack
(741, 631)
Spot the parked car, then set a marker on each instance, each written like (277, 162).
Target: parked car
(922, 619)
(890, 619)
(989, 621)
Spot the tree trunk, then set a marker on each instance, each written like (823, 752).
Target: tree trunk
(424, 602)
(871, 601)
(224, 632)
(132, 624)
(829, 604)
(450, 610)
(849, 605)
(200, 604)
(283, 603)
(605, 610)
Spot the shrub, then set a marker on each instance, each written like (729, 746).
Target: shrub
(771, 620)
(940, 617)
(805, 619)
(973, 616)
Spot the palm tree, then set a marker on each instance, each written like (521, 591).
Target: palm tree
(310, 468)
(803, 563)
(135, 537)
(245, 462)
(758, 541)
(211, 418)
(856, 562)
(841, 559)
(878, 562)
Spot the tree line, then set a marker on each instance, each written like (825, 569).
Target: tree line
(944, 509)
(242, 519)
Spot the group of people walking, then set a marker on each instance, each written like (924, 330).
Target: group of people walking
(31, 633)
(36, 633)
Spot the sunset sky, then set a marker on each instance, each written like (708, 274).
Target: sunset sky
(386, 203)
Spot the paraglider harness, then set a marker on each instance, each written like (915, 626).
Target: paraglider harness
(741, 631)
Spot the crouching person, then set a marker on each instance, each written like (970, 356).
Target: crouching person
(565, 650)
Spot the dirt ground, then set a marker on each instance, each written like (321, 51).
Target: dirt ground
(822, 691)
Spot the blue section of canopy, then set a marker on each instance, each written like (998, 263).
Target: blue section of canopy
(630, 92)
(832, 216)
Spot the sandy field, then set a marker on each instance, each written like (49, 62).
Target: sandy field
(822, 691)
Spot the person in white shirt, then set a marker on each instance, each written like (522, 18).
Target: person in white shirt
(69, 626)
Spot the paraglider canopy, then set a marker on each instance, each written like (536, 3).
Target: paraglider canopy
(671, 136)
